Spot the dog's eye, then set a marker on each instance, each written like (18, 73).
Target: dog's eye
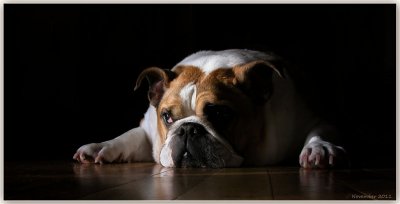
(218, 113)
(166, 116)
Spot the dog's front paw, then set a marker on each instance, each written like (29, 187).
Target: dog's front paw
(97, 153)
(319, 154)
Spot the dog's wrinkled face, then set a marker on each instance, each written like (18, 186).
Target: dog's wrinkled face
(197, 113)
(208, 120)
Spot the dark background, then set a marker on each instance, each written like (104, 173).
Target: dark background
(70, 69)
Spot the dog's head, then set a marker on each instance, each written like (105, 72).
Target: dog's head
(208, 107)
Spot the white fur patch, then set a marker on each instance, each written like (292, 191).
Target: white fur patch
(149, 123)
(166, 155)
(208, 61)
(188, 96)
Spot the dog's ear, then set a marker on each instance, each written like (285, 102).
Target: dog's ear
(158, 80)
(255, 79)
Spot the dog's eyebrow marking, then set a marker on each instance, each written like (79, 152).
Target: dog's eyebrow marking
(188, 95)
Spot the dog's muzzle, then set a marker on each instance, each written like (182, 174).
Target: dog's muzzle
(191, 143)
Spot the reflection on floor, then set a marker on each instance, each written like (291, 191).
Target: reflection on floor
(138, 181)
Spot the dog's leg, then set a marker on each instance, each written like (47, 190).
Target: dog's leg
(318, 151)
(133, 146)
(129, 147)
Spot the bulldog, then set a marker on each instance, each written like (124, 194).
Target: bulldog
(218, 109)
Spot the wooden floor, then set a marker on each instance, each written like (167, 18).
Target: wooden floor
(69, 180)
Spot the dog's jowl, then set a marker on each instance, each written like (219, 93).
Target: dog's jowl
(221, 109)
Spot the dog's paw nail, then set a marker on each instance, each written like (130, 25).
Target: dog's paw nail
(317, 159)
(331, 160)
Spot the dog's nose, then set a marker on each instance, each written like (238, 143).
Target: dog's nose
(191, 129)
(189, 145)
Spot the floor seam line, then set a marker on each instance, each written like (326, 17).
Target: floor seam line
(196, 185)
(270, 184)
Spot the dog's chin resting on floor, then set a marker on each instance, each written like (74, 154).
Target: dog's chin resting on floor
(218, 109)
